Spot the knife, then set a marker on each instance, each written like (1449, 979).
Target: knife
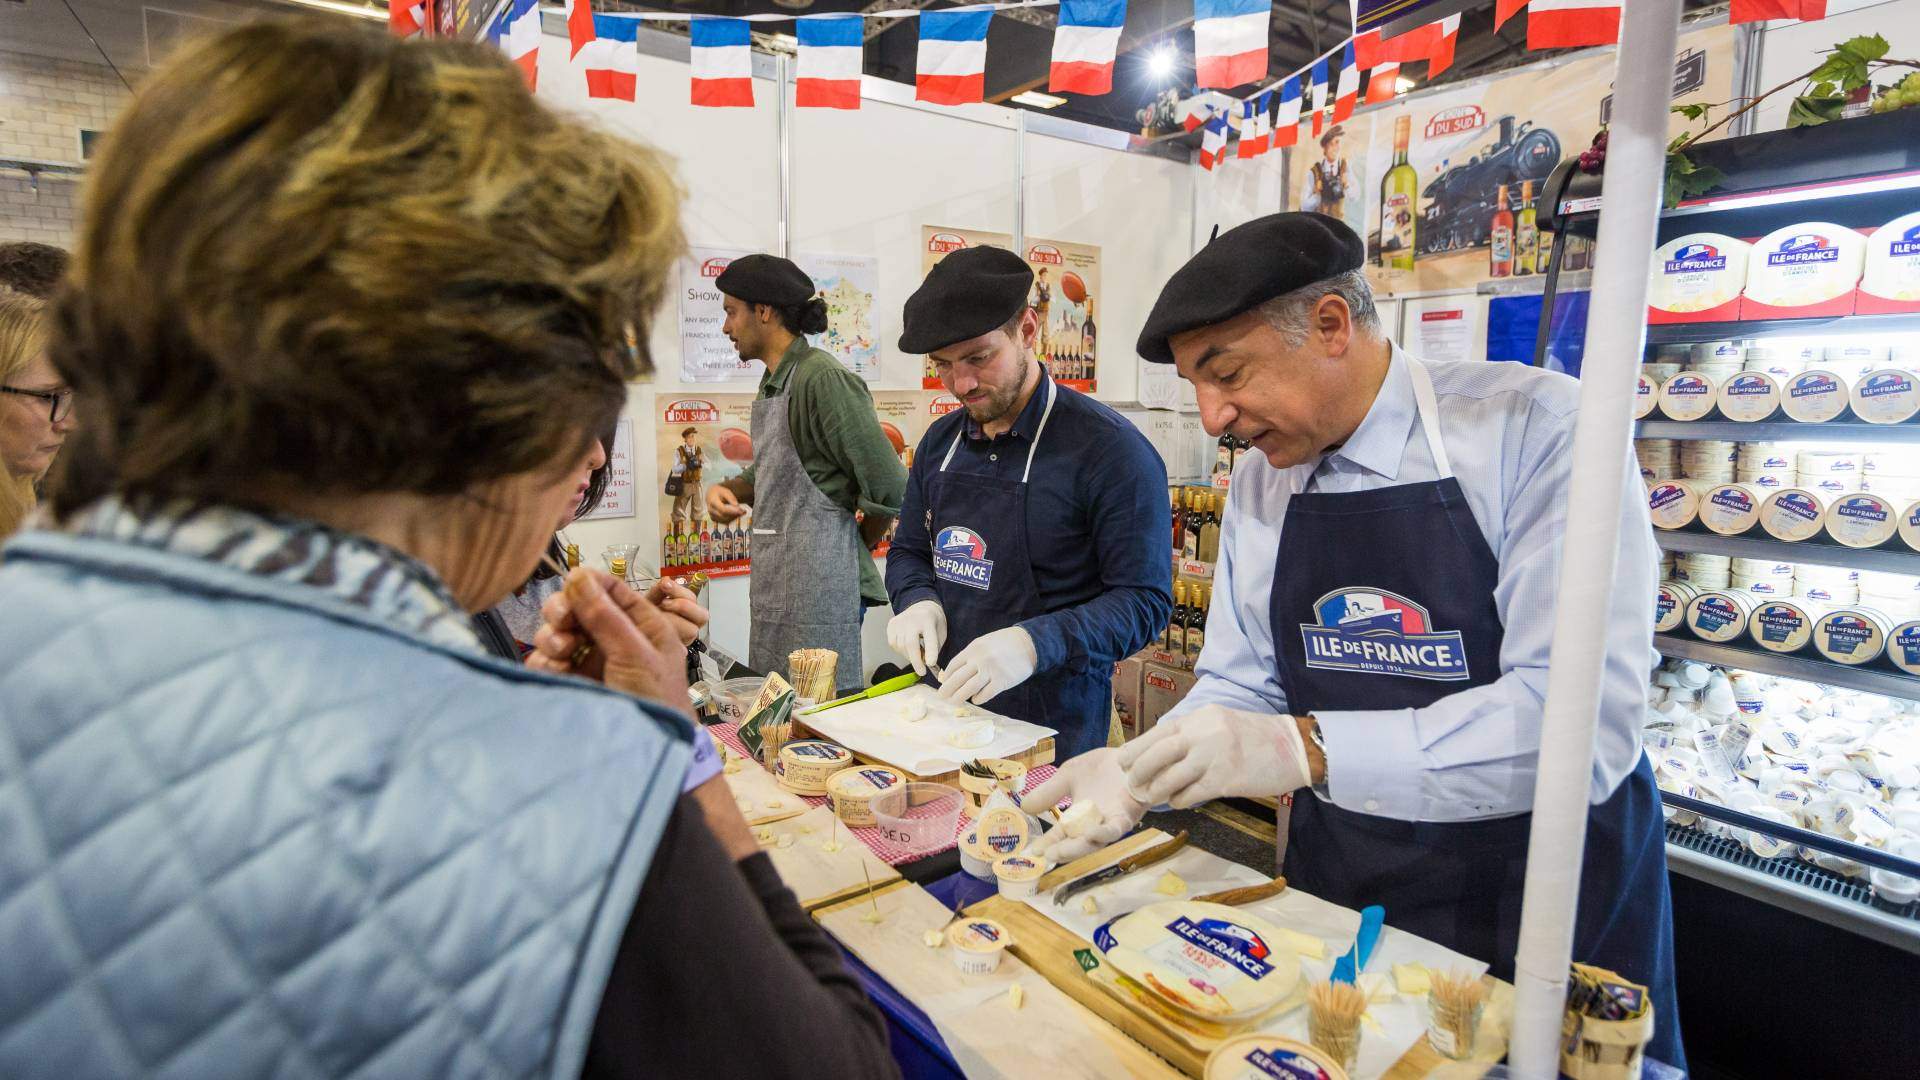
(1120, 869)
(1348, 968)
(898, 682)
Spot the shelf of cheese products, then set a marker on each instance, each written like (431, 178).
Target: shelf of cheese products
(1881, 560)
(1789, 884)
(1835, 431)
(1869, 678)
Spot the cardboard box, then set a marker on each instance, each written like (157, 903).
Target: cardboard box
(1161, 688)
(1126, 696)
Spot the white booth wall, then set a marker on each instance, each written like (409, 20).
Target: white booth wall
(864, 183)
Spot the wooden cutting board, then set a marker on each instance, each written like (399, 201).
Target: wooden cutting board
(1048, 1035)
(818, 876)
(760, 796)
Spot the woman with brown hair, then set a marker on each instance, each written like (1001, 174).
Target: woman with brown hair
(36, 410)
(346, 317)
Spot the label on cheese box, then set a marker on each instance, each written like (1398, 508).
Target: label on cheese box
(1893, 260)
(1805, 264)
(1697, 272)
(1749, 396)
(1886, 396)
(1814, 397)
(1730, 509)
(1687, 396)
(1780, 626)
(1861, 520)
(1792, 514)
(1207, 959)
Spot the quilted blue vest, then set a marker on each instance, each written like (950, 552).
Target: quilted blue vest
(248, 830)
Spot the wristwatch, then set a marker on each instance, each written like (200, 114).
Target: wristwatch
(1313, 734)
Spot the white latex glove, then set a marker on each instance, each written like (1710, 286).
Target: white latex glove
(918, 633)
(1092, 779)
(1213, 752)
(989, 664)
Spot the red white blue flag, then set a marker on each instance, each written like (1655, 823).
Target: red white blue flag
(580, 28)
(405, 18)
(1347, 95)
(827, 75)
(722, 62)
(517, 33)
(1230, 41)
(1319, 94)
(1084, 43)
(1381, 81)
(951, 68)
(1571, 24)
(1213, 145)
(612, 58)
(1286, 126)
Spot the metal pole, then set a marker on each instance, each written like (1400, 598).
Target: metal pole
(783, 118)
(1616, 334)
(1020, 182)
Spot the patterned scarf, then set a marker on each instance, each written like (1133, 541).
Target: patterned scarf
(396, 588)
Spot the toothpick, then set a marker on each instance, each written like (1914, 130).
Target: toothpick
(874, 915)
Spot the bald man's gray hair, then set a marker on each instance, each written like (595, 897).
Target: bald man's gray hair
(1291, 313)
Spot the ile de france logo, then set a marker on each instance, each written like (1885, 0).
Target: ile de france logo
(960, 556)
(1381, 633)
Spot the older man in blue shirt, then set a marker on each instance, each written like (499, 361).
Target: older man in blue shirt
(1031, 551)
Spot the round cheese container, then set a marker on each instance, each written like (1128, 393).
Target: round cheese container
(1008, 775)
(1861, 520)
(1910, 525)
(1793, 514)
(1903, 646)
(1019, 875)
(1687, 396)
(1646, 396)
(1781, 626)
(978, 945)
(1815, 396)
(807, 764)
(1216, 962)
(1749, 396)
(1720, 615)
(1270, 1057)
(1672, 504)
(1708, 353)
(851, 792)
(1851, 635)
(1893, 260)
(1887, 396)
(1670, 605)
(1804, 264)
(1730, 509)
(1000, 831)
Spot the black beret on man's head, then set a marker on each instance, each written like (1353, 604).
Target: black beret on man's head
(1244, 267)
(766, 279)
(971, 292)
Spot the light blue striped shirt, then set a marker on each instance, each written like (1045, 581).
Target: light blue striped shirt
(1508, 429)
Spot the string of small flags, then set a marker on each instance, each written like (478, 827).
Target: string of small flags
(1230, 40)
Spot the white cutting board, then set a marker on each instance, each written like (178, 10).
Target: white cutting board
(874, 728)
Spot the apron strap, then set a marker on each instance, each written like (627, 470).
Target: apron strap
(1429, 409)
(1044, 416)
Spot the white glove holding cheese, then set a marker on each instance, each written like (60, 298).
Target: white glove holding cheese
(1094, 779)
(988, 665)
(918, 634)
(1213, 752)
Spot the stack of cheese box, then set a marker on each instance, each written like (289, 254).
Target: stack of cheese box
(1837, 762)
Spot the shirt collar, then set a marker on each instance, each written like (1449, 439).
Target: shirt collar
(1028, 422)
(1380, 441)
(775, 378)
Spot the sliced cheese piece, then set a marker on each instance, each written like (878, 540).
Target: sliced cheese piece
(1089, 905)
(1171, 884)
(1305, 944)
(1412, 978)
(932, 939)
(1016, 996)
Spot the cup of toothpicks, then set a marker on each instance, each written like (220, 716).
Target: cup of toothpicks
(1333, 1019)
(1455, 1002)
(812, 673)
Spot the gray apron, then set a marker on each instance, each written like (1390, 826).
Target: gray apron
(805, 591)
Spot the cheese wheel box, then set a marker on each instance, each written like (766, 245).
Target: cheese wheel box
(1213, 961)
(1891, 281)
(1697, 278)
(1803, 270)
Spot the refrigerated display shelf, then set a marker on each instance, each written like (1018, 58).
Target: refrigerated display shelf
(1683, 333)
(1881, 560)
(1865, 678)
(1791, 884)
(1778, 431)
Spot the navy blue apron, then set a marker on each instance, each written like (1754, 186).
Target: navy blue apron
(1383, 599)
(981, 556)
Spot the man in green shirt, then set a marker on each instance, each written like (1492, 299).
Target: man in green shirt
(819, 457)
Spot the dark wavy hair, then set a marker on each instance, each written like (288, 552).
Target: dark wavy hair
(807, 318)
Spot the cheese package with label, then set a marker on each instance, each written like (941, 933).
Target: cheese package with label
(1862, 520)
(1730, 509)
(1804, 269)
(1891, 281)
(1887, 396)
(1211, 960)
(1697, 273)
(1815, 397)
(1781, 626)
(1689, 395)
(1852, 635)
(1271, 1057)
(1749, 396)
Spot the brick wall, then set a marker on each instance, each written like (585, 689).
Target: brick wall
(43, 105)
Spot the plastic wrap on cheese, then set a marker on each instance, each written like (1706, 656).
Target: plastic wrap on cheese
(1207, 959)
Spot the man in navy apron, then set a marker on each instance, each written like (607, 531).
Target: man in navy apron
(1388, 565)
(1031, 552)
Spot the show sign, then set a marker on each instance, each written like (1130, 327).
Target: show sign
(706, 355)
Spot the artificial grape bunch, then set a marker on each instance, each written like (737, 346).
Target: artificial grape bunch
(1594, 158)
(1901, 95)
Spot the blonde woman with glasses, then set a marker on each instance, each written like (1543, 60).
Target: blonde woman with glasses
(36, 408)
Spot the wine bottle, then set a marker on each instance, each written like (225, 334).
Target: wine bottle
(1190, 543)
(1175, 639)
(1223, 455)
(1210, 530)
(1179, 520)
(1196, 624)
(1399, 200)
(1526, 234)
(1500, 246)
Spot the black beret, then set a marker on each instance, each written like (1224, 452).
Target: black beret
(971, 292)
(766, 279)
(1244, 267)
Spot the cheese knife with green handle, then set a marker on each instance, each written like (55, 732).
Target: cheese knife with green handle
(898, 682)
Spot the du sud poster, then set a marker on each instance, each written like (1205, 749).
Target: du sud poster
(700, 441)
(1066, 284)
(1445, 187)
(905, 416)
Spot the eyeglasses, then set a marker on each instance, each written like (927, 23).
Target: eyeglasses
(59, 402)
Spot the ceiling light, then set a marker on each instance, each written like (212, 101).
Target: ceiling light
(338, 8)
(1160, 64)
(1038, 100)
(787, 41)
(1402, 84)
